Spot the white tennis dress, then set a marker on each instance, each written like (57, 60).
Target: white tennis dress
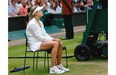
(36, 34)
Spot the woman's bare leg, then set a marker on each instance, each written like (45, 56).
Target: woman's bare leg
(59, 57)
(51, 45)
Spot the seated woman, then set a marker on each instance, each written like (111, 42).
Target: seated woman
(38, 39)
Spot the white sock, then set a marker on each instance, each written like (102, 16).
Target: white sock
(60, 65)
(54, 67)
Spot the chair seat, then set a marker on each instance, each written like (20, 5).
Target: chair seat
(47, 50)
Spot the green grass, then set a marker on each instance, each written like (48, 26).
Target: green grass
(91, 67)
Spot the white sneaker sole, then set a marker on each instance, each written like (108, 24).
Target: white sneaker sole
(56, 73)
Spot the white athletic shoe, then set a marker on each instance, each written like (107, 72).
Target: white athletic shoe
(55, 70)
(63, 68)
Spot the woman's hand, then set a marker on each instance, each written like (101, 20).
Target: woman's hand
(58, 40)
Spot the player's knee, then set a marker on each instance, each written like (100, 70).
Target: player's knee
(60, 43)
(55, 43)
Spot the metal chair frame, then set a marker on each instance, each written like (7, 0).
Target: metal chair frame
(46, 55)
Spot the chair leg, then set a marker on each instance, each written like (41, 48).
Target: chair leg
(33, 60)
(37, 60)
(24, 61)
(45, 59)
(48, 61)
(66, 58)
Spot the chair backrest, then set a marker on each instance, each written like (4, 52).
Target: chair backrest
(26, 42)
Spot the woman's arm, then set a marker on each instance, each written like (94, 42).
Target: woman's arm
(38, 33)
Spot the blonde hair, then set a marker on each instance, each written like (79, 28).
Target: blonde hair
(31, 12)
